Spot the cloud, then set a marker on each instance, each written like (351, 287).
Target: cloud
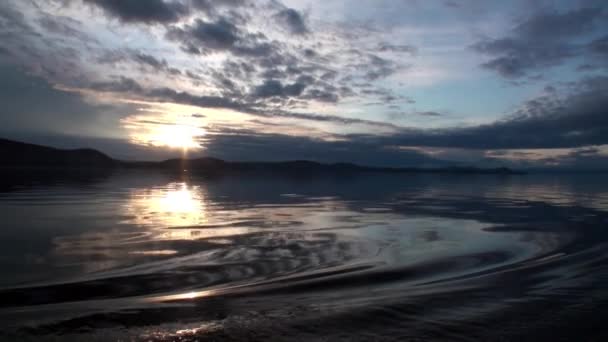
(149, 11)
(204, 37)
(218, 35)
(293, 21)
(127, 86)
(574, 119)
(599, 51)
(31, 104)
(272, 88)
(589, 158)
(211, 6)
(379, 67)
(544, 40)
(429, 113)
(384, 47)
(229, 50)
(63, 26)
(256, 146)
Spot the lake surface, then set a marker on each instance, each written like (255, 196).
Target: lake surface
(156, 257)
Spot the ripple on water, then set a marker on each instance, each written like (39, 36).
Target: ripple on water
(439, 263)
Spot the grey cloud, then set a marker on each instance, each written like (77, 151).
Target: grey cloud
(429, 113)
(144, 61)
(12, 19)
(517, 57)
(53, 110)
(544, 40)
(156, 64)
(586, 158)
(64, 26)
(218, 35)
(123, 84)
(149, 11)
(293, 21)
(321, 95)
(554, 26)
(403, 115)
(203, 37)
(129, 86)
(600, 46)
(210, 6)
(383, 47)
(252, 145)
(171, 95)
(379, 68)
(150, 60)
(47, 55)
(310, 53)
(550, 121)
(275, 88)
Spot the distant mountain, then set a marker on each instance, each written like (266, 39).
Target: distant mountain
(17, 154)
(305, 167)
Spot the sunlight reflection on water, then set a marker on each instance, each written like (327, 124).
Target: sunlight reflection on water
(174, 205)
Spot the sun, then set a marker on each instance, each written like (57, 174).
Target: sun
(171, 135)
(177, 136)
(167, 126)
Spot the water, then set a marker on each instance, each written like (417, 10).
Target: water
(155, 257)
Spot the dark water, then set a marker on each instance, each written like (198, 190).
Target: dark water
(146, 256)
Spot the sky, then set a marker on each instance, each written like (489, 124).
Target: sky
(378, 82)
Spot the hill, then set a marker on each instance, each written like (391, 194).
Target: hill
(18, 155)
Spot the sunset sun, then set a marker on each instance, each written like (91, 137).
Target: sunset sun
(166, 131)
(177, 136)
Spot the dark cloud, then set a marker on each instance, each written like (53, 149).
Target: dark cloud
(64, 26)
(310, 53)
(31, 104)
(150, 60)
(218, 35)
(600, 46)
(221, 35)
(143, 61)
(251, 145)
(149, 11)
(383, 47)
(379, 67)
(293, 21)
(588, 158)
(321, 95)
(127, 86)
(555, 120)
(544, 40)
(429, 113)
(122, 85)
(211, 6)
(275, 88)
(157, 65)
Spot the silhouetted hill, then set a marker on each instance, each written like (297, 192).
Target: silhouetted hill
(214, 166)
(18, 154)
